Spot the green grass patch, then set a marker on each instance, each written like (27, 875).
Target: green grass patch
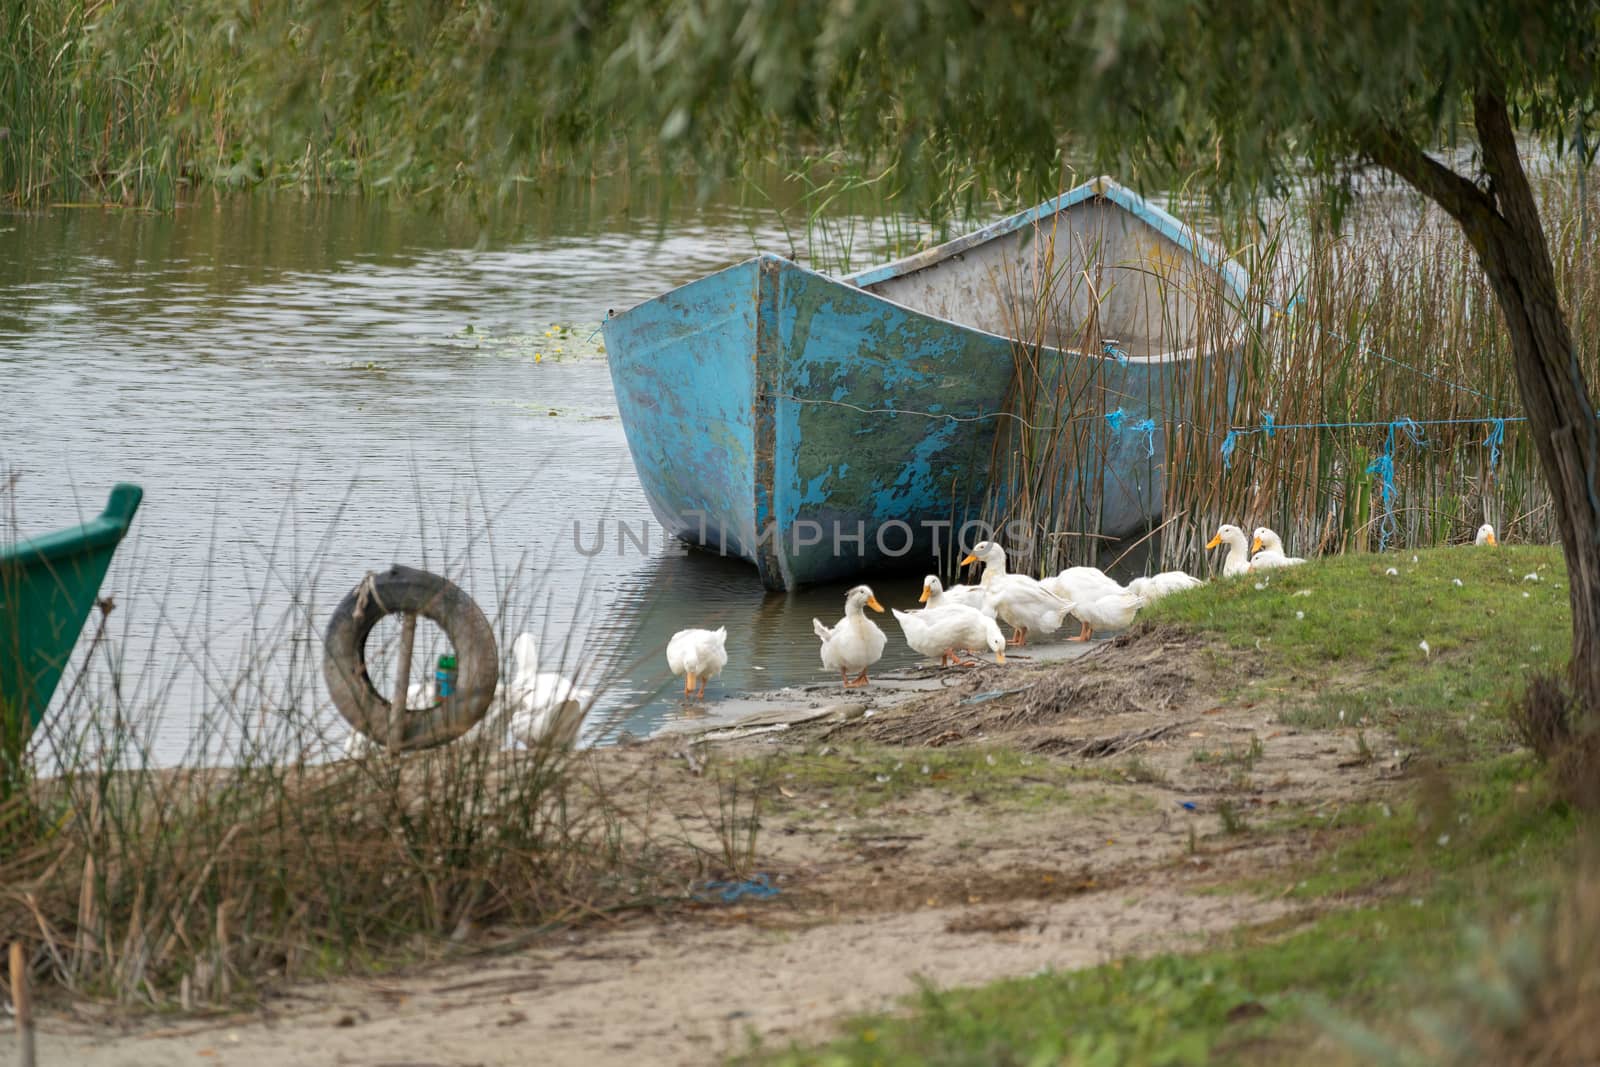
(860, 779)
(1341, 641)
(1496, 817)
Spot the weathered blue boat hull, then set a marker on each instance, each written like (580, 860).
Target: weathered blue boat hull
(820, 430)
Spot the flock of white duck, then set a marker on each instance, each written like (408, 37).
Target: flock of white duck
(956, 620)
(542, 707)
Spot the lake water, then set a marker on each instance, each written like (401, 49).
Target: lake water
(311, 389)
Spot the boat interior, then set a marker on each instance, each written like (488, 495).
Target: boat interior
(1091, 278)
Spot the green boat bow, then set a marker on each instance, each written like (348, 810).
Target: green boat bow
(47, 587)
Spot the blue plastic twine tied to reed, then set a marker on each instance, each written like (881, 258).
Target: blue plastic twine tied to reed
(1148, 428)
(1496, 438)
(1383, 467)
(1114, 419)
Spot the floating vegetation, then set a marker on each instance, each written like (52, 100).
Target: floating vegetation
(557, 343)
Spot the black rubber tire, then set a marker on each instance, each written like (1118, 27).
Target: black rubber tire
(344, 664)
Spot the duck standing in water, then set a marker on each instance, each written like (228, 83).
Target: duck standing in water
(855, 642)
(698, 655)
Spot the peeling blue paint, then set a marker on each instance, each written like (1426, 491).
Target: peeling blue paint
(815, 491)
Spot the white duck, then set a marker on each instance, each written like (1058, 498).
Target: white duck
(1114, 612)
(1238, 561)
(934, 594)
(1166, 583)
(993, 558)
(855, 642)
(544, 707)
(939, 631)
(1270, 554)
(1080, 584)
(1485, 535)
(536, 707)
(698, 655)
(1015, 598)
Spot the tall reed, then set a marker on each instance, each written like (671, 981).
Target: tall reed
(140, 102)
(1389, 318)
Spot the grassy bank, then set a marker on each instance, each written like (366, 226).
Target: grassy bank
(1469, 869)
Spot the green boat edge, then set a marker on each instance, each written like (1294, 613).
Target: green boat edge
(48, 586)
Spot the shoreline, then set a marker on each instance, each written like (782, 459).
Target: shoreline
(741, 715)
(1242, 798)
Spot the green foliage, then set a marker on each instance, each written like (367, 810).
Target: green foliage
(1251, 92)
(1339, 639)
(138, 101)
(956, 100)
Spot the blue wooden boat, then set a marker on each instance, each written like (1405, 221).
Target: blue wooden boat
(820, 427)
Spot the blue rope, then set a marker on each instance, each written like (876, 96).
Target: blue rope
(1148, 428)
(1416, 423)
(597, 329)
(757, 886)
(1412, 428)
(1267, 423)
(1497, 436)
(1383, 467)
(1229, 443)
(1114, 419)
(1110, 348)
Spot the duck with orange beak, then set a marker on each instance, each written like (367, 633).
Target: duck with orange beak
(855, 642)
(1238, 561)
(1015, 598)
(1269, 554)
(935, 595)
(1485, 535)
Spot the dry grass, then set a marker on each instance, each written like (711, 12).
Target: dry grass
(272, 848)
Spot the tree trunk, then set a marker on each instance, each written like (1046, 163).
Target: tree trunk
(1504, 228)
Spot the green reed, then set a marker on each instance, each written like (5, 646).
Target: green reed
(142, 103)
